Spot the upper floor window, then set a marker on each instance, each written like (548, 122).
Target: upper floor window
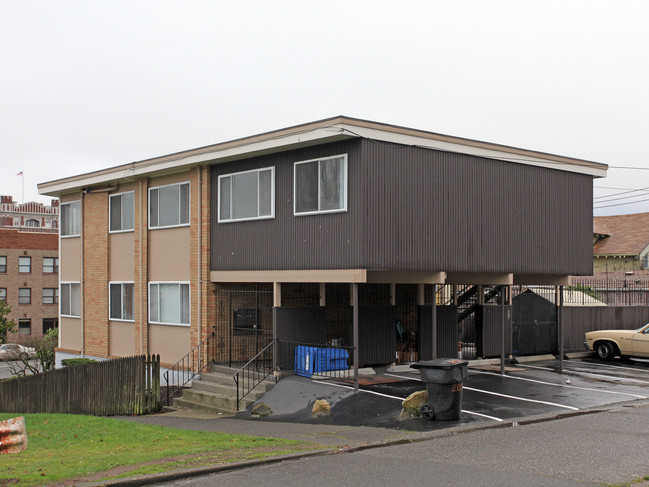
(3, 263)
(169, 206)
(248, 195)
(320, 185)
(33, 223)
(50, 265)
(24, 295)
(121, 301)
(24, 265)
(3, 293)
(71, 299)
(169, 303)
(122, 212)
(50, 295)
(71, 219)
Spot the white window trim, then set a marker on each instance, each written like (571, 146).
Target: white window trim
(272, 195)
(164, 322)
(320, 212)
(110, 210)
(122, 304)
(61, 300)
(68, 203)
(189, 192)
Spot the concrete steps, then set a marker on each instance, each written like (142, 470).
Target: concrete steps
(216, 392)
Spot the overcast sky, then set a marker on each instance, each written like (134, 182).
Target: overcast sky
(87, 85)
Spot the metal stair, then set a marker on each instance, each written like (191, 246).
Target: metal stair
(216, 392)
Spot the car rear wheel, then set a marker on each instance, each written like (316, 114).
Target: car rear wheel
(605, 350)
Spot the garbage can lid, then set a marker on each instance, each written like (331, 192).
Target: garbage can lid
(440, 363)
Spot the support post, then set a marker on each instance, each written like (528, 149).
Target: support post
(277, 302)
(355, 332)
(502, 330)
(560, 325)
(434, 320)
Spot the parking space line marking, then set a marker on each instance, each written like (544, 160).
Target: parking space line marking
(509, 397)
(521, 398)
(535, 367)
(616, 379)
(402, 398)
(483, 415)
(559, 385)
(614, 367)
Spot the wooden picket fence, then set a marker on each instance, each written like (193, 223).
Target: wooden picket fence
(124, 386)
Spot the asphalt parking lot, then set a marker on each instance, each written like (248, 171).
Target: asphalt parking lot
(526, 389)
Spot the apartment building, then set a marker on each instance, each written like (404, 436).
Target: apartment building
(327, 231)
(29, 281)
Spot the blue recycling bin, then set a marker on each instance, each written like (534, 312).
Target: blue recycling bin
(314, 360)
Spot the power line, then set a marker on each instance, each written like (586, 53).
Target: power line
(643, 190)
(620, 204)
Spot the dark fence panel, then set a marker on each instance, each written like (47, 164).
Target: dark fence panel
(377, 337)
(447, 332)
(489, 326)
(298, 325)
(578, 320)
(535, 338)
(115, 387)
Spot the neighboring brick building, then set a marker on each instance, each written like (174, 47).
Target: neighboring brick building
(29, 281)
(30, 215)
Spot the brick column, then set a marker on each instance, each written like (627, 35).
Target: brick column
(141, 266)
(95, 274)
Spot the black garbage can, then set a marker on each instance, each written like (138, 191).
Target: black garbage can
(443, 379)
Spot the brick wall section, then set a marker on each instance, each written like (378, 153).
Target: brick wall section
(141, 266)
(95, 274)
(15, 244)
(200, 265)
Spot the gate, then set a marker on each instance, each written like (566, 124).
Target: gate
(244, 323)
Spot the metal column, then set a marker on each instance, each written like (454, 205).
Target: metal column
(434, 320)
(502, 330)
(355, 331)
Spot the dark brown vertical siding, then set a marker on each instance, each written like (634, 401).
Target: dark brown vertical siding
(439, 210)
(287, 241)
(410, 209)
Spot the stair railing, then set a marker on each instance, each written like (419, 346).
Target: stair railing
(254, 372)
(188, 367)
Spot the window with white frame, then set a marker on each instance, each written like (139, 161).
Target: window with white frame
(50, 295)
(24, 265)
(71, 299)
(24, 295)
(169, 205)
(71, 219)
(3, 264)
(122, 212)
(3, 294)
(248, 195)
(50, 265)
(169, 303)
(320, 185)
(121, 301)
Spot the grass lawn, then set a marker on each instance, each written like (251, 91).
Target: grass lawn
(66, 446)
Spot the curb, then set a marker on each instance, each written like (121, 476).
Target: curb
(415, 438)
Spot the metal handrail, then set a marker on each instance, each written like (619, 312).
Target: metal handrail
(252, 378)
(190, 366)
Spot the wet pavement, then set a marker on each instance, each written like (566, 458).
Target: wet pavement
(534, 426)
(526, 389)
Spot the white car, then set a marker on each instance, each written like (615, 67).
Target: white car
(15, 351)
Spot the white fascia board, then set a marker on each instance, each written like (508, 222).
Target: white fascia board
(503, 155)
(285, 142)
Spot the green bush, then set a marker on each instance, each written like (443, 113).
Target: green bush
(70, 362)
